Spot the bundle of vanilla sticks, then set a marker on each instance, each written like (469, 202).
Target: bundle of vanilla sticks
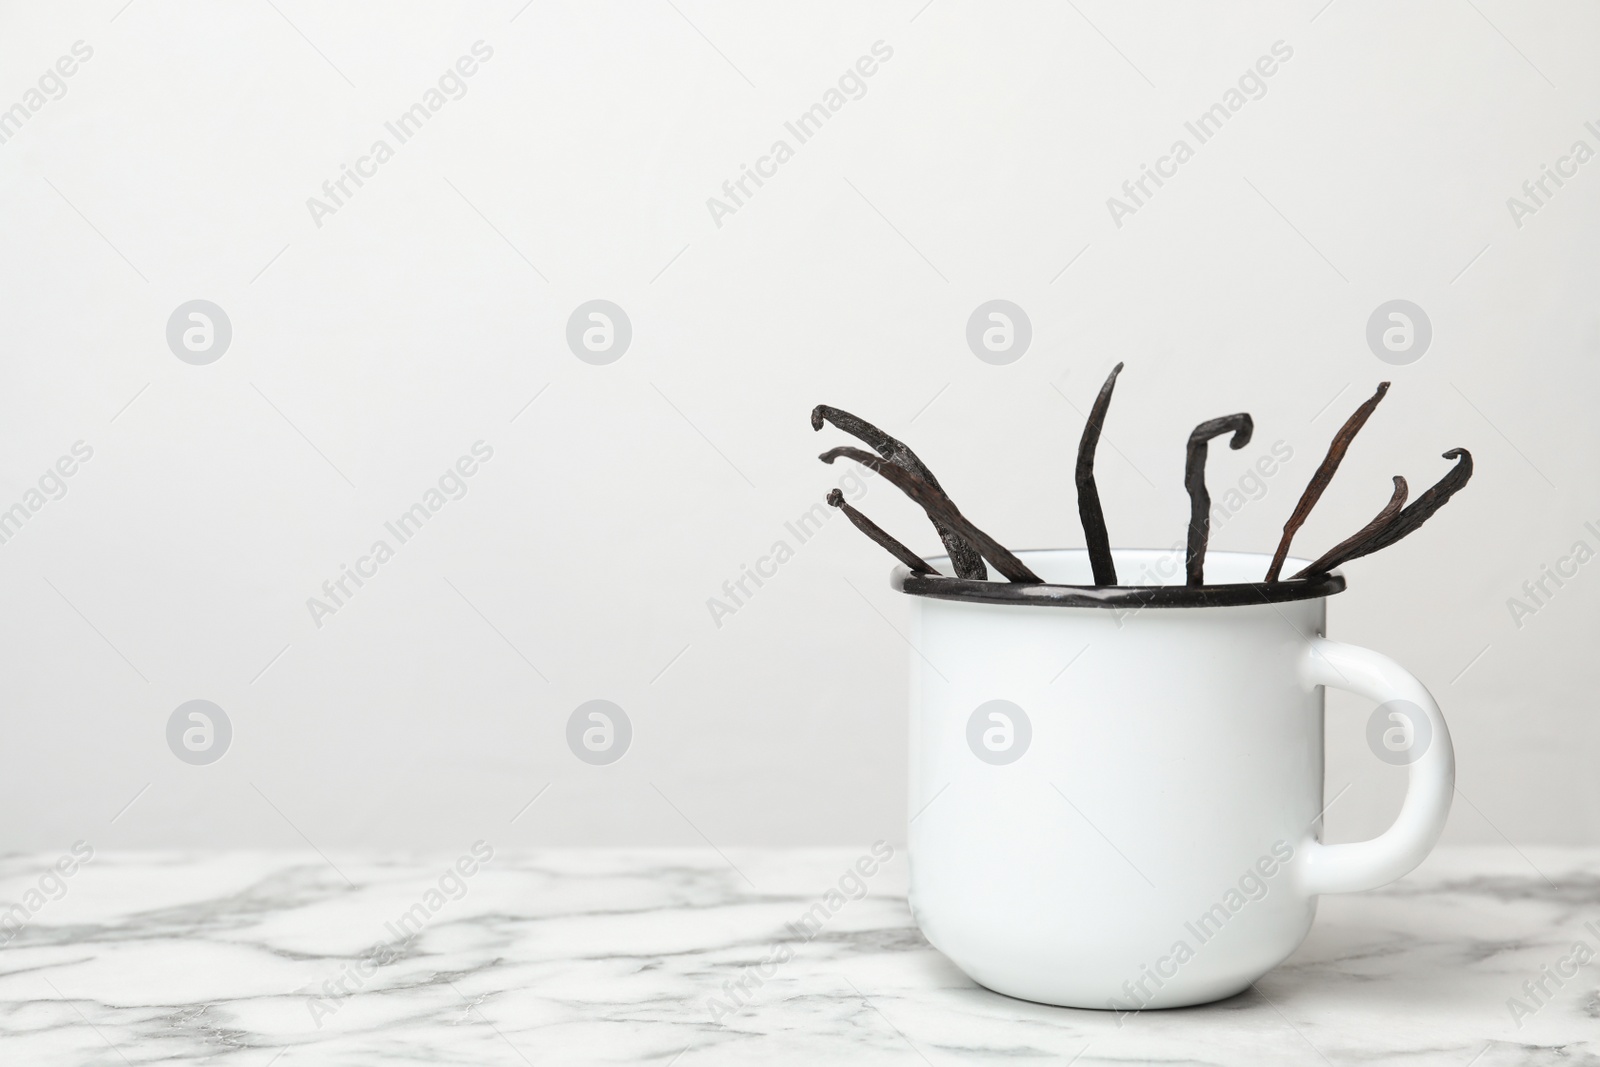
(969, 547)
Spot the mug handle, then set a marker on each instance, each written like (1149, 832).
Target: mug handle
(1395, 852)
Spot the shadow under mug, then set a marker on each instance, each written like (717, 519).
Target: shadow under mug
(1117, 794)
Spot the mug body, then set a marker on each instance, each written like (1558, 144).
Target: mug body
(1107, 804)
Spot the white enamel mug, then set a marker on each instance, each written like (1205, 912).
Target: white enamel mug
(1117, 795)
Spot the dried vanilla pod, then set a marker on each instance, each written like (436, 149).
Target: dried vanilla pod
(1322, 476)
(1418, 512)
(1194, 480)
(1095, 536)
(900, 552)
(894, 475)
(940, 508)
(941, 505)
(968, 563)
(1397, 501)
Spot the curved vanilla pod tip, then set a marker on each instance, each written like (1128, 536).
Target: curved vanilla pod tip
(941, 509)
(899, 551)
(1403, 524)
(1336, 555)
(1194, 480)
(1095, 537)
(968, 563)
(1322, 476)
(899, 477)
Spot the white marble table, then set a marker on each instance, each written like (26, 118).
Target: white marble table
(614, 957)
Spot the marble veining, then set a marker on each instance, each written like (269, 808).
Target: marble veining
(690, 958)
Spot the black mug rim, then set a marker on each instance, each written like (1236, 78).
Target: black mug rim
(1048, 594)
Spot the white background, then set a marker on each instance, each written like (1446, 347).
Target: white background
(372, 351)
